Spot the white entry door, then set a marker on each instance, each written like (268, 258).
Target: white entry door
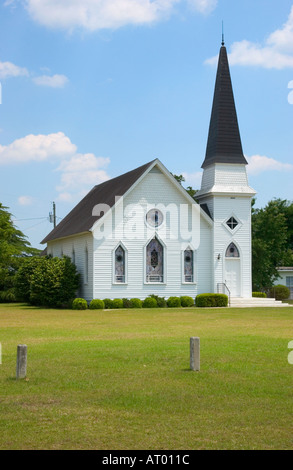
(233, 276)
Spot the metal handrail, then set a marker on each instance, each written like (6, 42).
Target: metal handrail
(221, 285)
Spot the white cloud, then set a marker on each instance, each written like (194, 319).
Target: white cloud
(283, 38)
(275, 53)
(54, 81)
(79, 172)
(8, 70)
(93, 15)
(82, 170)
(203, 6)
(258, 164)
(248, 53)
(25, 200)
(37, 148)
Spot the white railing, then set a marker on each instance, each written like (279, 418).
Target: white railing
(222, 288)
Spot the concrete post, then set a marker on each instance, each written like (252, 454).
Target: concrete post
(21, 361)
(195, 354)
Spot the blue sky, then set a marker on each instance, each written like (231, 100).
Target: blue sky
(94, 88)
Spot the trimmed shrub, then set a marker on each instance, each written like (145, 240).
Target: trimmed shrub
(174, 302)
(79, 304)
(117, 303)
(126, 303)
(280, 292)
(259, 294)
(211, 300)
(186, 301)
(149, 302)
(136, 303)
(161, 302)
(108, 303)
(96, 304)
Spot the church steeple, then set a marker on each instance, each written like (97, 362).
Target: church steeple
(224, 142)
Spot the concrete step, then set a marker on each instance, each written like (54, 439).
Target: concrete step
(256, 302)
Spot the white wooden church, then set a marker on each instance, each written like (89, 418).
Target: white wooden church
(141, 233)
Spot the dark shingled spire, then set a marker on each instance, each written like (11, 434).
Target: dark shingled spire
(224, 142)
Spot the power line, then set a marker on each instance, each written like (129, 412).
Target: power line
(33, 218)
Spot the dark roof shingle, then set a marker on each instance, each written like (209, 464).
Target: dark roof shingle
(80, 219)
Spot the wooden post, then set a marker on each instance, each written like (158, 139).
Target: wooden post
(21, 361)
(195, 354)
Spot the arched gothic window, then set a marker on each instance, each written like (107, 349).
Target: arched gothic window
(155, 261)
(86, 266)
(119, 264)
(188, 265)
(232, 251)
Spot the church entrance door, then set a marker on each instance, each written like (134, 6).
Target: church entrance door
(232, 276)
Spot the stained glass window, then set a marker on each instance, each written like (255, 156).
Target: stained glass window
(232, 251)
(86, 266)
(188, 265)
(155, 261)
(119, 264)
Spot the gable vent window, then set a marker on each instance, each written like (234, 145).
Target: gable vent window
(232, 223)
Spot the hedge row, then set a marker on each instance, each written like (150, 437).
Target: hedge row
(259, 294)
(153, 301)
(211, 300)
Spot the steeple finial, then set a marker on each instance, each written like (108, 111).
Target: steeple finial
(223, 40)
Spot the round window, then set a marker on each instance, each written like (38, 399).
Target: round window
(154, 218)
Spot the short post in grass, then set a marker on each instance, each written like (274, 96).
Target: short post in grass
(195, 354)
(21, 361)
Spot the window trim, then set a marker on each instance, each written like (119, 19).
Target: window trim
(114, 280)
(235, 229)
(86, 265)
(237, 248)
(164, 276)
(194, 252)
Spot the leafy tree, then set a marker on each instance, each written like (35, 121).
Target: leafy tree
(53, 282)
(270, 242)
(22, 279)
(13, 248)
(192, 192)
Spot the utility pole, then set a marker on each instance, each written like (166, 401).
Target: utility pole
(54, 214)
(52, 217)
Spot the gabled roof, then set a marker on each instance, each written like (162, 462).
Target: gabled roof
(224, 142)
(80, 219)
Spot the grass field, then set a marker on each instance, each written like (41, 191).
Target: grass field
(120, 379)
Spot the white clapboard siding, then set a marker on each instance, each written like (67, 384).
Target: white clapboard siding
(154, 190)
(224, 208)
(226, 191)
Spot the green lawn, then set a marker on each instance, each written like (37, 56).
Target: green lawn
(121, 380)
